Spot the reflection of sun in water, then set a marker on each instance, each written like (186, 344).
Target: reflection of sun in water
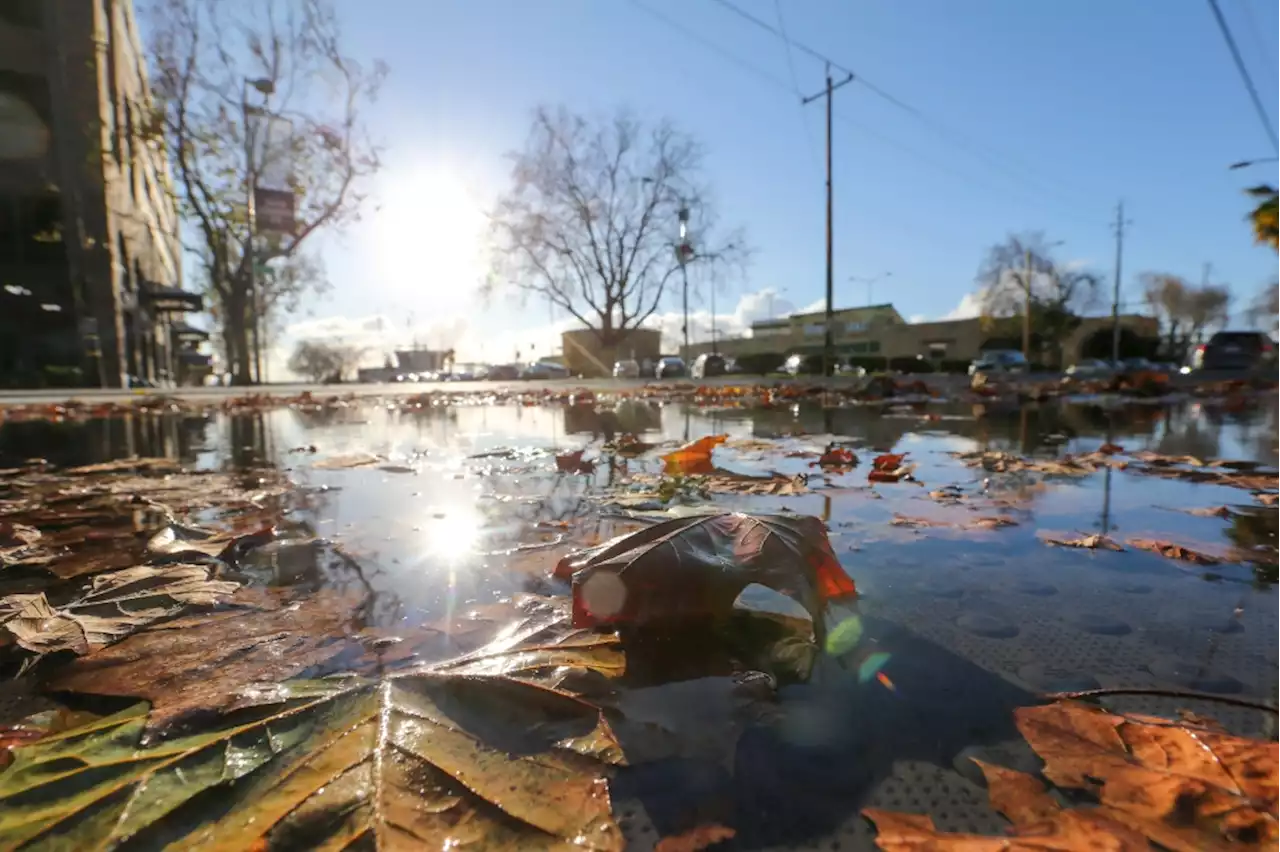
(453, 537)
(449, 541)
(427, 237)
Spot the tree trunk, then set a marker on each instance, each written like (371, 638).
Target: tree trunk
(237, 331)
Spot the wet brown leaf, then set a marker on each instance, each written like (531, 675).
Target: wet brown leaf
(115, 605)
(694, 568)
(696, 839)
(574, 463)
(888, 461)
(1182, 786)
(989, 522)
(1171, 550)
(202, 662)
(348, 461)
(1095, 541)
(153, 465)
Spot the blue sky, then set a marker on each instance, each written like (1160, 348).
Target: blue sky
(1036, 115)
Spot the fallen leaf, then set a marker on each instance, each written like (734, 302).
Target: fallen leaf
(1110, 449)
(421, 760)
(1091, 542)
(1183, 786)
(888, 461)
(836, 457)
(696, 838)
(201, 662)
(116, 605)
(990, 522)
(695, 568)
(883, 476)
(347, 461)
(693, 453)
(122, 465)
(1208, 512)
(574, 463)
(1267, 499)
(1170, 550)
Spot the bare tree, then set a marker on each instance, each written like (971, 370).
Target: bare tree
(590, 222)
(1264, 310)
(206, 56)
(1185, 311)
(323, 361)
(1021, 275)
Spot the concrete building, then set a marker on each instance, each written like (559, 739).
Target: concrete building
(90, 267)
(879, 331)
(583, 354)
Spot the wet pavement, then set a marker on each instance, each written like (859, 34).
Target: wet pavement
(433, 512)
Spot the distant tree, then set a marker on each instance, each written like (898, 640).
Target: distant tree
(1021, 275)
(1264, 216)
(1264, 311)
(285, 57)
(322, 361)
(590, 222)
(1185, 311)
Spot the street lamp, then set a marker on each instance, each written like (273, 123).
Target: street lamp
(1244, 164)
(869, 281)
(684, 254)
(266, 88)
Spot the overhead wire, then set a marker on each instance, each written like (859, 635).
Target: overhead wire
(795, 84)
(1245, 76)
(999, 161)
(1266, 54)
(1019, 190)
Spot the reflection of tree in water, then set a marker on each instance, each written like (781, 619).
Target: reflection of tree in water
(1254, 531)
(628, 417)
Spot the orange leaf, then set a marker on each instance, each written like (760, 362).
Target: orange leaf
(696, 838)
(1110, 449)
(883, 476)
(888, 461)
(693, 455)
(1169, 550)
(836, 457)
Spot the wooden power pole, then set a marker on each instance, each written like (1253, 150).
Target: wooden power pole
(828, 359)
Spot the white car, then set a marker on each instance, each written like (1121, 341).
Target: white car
(626, 370)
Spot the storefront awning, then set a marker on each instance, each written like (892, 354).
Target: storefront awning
(171, 299)
(188, 333)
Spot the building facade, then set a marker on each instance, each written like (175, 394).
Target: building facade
(90, 266)
(879, 331)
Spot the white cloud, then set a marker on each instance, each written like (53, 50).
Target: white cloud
(970, 306)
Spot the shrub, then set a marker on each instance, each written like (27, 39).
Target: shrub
(761, 363)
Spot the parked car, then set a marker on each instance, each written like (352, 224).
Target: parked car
(999, 361)
(628, 369)
(1234, 350)
(1089, 368)
(708, 364)
(670, 367)
(502, 373)
(1137, 365)
(544, 370)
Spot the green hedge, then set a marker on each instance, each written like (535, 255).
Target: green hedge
(761, 363)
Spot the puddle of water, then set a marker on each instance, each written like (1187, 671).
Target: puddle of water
(460, 507)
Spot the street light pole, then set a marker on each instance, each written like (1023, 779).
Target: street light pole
(869, 281)
(266, 88)
(683, 252)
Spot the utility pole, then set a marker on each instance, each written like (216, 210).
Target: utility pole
(828, 358)
(1115, 293)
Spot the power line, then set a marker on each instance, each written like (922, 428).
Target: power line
(795, 81)
(1251, 26)
(1021, 191)
(1244, 74)
(1000, 161)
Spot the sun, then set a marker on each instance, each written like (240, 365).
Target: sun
(427, 240)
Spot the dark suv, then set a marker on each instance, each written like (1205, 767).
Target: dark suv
(1234, 350)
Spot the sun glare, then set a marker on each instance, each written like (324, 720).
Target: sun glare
(427, 237)
(453, 537)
